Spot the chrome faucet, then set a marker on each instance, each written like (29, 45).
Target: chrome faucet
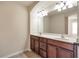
(62, 36)
(40, 33)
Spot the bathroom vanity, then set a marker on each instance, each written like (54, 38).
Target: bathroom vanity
(53, 48)
(54, 35)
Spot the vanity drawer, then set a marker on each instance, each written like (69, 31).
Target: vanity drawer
(43, 46)
(43, 40)
(61, 44)
(42, 53)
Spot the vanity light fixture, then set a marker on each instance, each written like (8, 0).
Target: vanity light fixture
(62, 5)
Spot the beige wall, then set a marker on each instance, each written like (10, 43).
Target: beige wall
(57, 24)
(13, 28)
(29, 8)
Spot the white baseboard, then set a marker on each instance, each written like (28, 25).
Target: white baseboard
(10, 55)
(13, 54)
(27, 50)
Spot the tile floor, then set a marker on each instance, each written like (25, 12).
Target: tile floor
(27, 54)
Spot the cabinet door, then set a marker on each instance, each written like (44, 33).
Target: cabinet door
(43, 45)
(36, 46)
(32, 44)
(43, 53)
(51, 51)
(63, 53)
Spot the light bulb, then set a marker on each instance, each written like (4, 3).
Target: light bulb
(68, 2)
(44, 13)
(57, 6)
(61, 4)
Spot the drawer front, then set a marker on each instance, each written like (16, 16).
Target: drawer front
(43, 40)
(43, 46)
(43, 53)
(61, 44)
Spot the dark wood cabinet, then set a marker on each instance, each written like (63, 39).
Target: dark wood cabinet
(43, 53)
(32, 44)
(35, 43)
(51, 51)
(51, 48)
(43, 46)
(60, 49)
(36, 46)
(63, 53)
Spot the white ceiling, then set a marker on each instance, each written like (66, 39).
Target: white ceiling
(23, 3)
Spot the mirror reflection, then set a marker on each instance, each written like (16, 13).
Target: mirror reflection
(59, 21)
(62, 23)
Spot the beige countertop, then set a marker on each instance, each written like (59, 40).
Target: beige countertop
(57, 37)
